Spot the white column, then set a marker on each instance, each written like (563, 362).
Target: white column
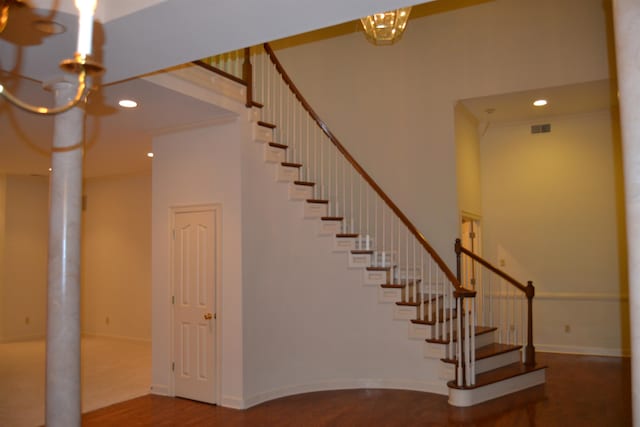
(62, 407)
(627, 31)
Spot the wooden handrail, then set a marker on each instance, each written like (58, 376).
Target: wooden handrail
(475, 257)
(203, 64)
(412, 228)
(529, 291)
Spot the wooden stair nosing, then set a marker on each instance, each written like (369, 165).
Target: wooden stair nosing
(318, 201)
(437, 318)
(291, 165)
(332, 218)
(479, 330)
(256, 104)
(486, 351)
(378, 268)
(266, 125)
(276, 145)
(347, 235)
(497, 375)
(362, 251)
(305, 183)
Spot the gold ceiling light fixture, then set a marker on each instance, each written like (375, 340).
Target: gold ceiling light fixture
(81, 64)
(386, 27)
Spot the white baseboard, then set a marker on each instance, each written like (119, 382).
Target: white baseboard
(118, 337)
(590, 351)
(160, 389)
(232, 402)
(428, 387)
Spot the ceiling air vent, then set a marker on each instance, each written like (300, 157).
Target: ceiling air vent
(545, 128)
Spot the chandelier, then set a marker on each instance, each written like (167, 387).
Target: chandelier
(386, 27)
(81, 63)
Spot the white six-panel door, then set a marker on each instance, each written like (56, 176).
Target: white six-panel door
(195, 254)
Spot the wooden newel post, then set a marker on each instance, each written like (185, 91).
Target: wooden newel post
(247, 76)
(458, 249)
(530, 351)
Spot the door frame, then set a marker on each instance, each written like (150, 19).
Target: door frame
(173, 210)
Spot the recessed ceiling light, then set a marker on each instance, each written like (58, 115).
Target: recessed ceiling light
(149, 154)
(50, 169)
(127, 103)
(540, 102)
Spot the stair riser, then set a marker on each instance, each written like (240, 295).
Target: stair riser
(329, 228)
(498, 361)
(389, 295)
(359, 260)
(446, 371)
(262, 134)
(273, 154)
(315, 210)
(404, 312)
(436, 351)
(375, 278)
(300, 192)
(484, 339)
(343, 244)
(287, 174)
(470, 397)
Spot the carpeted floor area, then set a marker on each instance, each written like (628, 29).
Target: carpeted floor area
(113, 370)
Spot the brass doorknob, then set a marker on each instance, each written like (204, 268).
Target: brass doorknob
(208, 316)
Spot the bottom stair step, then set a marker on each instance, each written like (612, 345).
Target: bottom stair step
(496, 383)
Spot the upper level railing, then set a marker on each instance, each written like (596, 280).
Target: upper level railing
(354, 199)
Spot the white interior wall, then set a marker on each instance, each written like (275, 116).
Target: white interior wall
(550, 214)
(392, 106)
(467, 161)
(309, 323)
(194, 167)
(116, 257)
(24, 269)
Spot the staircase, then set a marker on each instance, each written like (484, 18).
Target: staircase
(475, 330)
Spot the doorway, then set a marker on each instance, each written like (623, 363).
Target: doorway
(195, 267)
(470, 239)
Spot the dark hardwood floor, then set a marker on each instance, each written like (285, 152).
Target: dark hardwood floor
(580, 391)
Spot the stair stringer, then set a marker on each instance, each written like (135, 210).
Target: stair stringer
(308, 322)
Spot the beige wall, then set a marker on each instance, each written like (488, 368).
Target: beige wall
(24, 267)
(195, 167)
(3, 192)
(116, 263)
(116, 266)
(550, 213)
(467, 161)
(392, 106)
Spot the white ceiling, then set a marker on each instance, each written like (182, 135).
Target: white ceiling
(136, 37)
(518, 106)
(133, 38)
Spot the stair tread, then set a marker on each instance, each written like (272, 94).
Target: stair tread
(305, 183)
(318, 201)
(362, 251)
(490, 350)
(291, 165)
(266, 125)
(276, 145)
(479, 330)
(499, 374)
(437, 318)
(402, 283)
(347, 235)
(378, 268)
(332, 218)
